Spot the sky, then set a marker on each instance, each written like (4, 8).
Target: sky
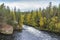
(28, 5)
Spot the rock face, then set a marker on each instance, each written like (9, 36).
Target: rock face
(6, 29)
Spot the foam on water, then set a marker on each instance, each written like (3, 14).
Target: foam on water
(35, 31)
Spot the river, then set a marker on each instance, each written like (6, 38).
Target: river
(30, 33)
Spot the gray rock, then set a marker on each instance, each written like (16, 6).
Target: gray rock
(6, 29)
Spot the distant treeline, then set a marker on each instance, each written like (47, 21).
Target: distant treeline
(45, 19)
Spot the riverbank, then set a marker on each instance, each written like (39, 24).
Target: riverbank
(46, 30)
(27, 34)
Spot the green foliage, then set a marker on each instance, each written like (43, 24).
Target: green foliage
(45, 19)
(10, 17)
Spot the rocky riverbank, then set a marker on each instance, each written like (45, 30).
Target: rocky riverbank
(6, 29)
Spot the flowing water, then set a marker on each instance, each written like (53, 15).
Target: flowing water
(30, 33)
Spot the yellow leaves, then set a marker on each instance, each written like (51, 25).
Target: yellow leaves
(51, 12)
(34, 23)
(57, 25)
(45, 20)
(21, 18)
(21, 21)
(14, 16)
(39, 13)
(41, 21)
(34, 13)
(28, 18)
(51, 23)
(54, 19)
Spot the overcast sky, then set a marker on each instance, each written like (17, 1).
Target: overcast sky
(25, 5)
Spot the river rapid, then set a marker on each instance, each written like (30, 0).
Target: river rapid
(30, 33)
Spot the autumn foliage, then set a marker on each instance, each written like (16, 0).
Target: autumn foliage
(43, 19)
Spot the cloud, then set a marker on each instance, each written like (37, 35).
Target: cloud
(26, 0)
(24, 6)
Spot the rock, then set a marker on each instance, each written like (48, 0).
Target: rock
(6, 29)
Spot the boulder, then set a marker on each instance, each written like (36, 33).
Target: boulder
(6, 29)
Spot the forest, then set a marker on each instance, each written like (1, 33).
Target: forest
(43, 19)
